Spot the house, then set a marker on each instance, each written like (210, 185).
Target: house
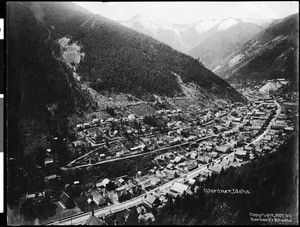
(222, 149)
(214, 154)
(121, 180)
(232, 144)
(170, 166)
(170, 173)
(192, 166)
(130, 187)
(191, 181)
(140, 146)
(48, 161)
(193, 155)
(238, 119)
(258, 149)
(102, 156)
(121, 190)
(217, 129)
(65, 201)
(94, 220)
(203, 159)
(178, 188)
(154, 180)
(241, 153)
(95, 121)
(278, 126)
(235, 164)
(105, 182)
(98, 198)
(78, 143)
(266, 148)
(100, 185)
(267, 138)
(249, 148)
(216, 168)
(147, 185)
(79, 126)
(289, 128)
(152, 201)
(225, 163)
(178, 159)
(35, 197)
(51, 177)
(86, 125)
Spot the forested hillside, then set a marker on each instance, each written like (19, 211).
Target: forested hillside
(116, 59)
(126, 61)
(36, 80)
(273, 53)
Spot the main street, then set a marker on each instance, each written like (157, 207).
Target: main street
(269, 126)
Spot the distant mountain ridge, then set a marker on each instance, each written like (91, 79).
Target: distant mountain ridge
(194, 38)
(272, 53)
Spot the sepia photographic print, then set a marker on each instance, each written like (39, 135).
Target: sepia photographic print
(152, 113)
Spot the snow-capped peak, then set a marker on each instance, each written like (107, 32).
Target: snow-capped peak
(225, 25)
(205, 25)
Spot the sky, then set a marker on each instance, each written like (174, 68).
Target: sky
(187, 12)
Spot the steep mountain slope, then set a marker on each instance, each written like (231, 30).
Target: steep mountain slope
(120, 59)
(273, 53)
(37, 82)
(54, 48)
(215, 49)
(188, 37)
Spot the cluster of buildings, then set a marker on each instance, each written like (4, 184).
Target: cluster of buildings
(184, 141)
(137, 134)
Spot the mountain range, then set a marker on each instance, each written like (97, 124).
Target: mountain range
(209, 40)
(234, 49)
(272, 53)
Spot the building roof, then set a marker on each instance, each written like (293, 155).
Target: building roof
(105, 181)
(214, 154)
(193, 155)
(48, 160)
(178, 187)
(50, 177)
(94, 221)
(64, 197)
(169, 166)
(222, 148)
(150, 199)
(267, 137)
(97, 197)
(249, 148)
(241, 152)
(215, 168)
(177, 159)
(100, 184)
(191, 181)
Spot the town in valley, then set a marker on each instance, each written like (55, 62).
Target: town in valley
(135, 122)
